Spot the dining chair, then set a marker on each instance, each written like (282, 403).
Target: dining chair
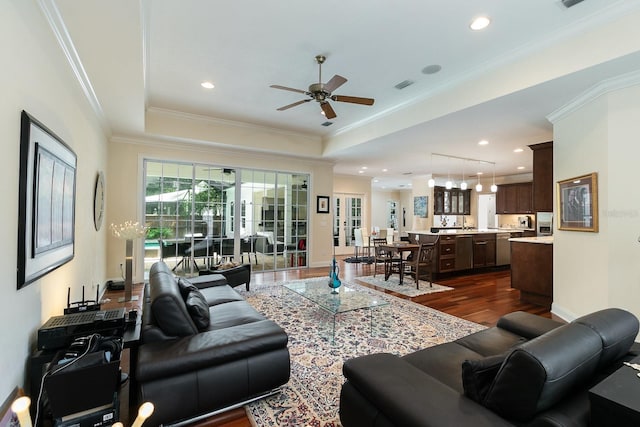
(390, 232)
(380, 253)
(421, 265)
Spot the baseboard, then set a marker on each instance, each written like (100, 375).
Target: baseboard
(563, 313)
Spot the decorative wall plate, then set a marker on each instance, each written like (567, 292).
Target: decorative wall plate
(98, 202)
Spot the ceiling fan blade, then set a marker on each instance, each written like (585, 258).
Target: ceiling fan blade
(288, 88)
(335, 82)
(353, 99)
(295, 104)
(328, 111)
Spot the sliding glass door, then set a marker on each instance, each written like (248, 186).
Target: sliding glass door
(205, 217)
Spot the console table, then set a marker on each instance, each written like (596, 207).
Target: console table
(614, 401)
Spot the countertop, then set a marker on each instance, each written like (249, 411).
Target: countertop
(474, 231)
(545, 240)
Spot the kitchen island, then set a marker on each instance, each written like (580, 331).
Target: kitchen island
(532, 269)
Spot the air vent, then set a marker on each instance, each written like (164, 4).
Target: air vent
(407, 173)
(403, 84)
(325, 124)
(569, 3)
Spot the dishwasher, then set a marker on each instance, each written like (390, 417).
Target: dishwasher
(503, 249)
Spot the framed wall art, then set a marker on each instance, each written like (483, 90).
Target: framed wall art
(322, 204)
(578, 203)
(420, 204)
(46, 201)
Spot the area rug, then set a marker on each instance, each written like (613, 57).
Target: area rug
(311, 397)
(360, 259)
(408, 287)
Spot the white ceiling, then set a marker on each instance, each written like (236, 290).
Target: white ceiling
(147, 57)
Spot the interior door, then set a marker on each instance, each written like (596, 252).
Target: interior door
(347, 210)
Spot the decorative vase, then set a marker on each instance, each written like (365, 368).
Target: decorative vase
(334, 281)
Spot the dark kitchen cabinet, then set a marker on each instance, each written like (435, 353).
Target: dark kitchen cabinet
(446, 253)
(484, 250)
(514, 198)
(542, 200)
(451, 202)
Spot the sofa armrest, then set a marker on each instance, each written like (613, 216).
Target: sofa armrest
(216, 347)
(409, 396)
(527, 325)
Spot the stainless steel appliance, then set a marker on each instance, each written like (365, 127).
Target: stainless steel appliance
(503, 249)
(544, 223)
(524, 221)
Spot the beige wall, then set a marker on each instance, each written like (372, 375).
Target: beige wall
(598, 270)
(38, 79)
(124, 188)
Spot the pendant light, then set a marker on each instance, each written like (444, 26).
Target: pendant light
(494, 187)
(448, 185)
(463, 184)
(478, 185)
(432, 182)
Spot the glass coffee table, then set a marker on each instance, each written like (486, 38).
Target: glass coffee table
(345, 300)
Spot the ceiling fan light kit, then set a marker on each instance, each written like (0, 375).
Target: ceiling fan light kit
(322, 92)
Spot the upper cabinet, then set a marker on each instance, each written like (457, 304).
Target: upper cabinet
(514, 198)
(542, 177)
(451, 202)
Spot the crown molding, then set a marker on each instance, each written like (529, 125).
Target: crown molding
(54, 19)
(604, 87)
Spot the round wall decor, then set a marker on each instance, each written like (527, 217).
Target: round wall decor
(98, 202)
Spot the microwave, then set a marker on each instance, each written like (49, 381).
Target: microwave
(544, 223)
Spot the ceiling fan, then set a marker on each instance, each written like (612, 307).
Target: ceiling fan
(321, 92)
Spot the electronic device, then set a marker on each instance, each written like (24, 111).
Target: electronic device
(115, 285)
(84, 305)
(59, 331)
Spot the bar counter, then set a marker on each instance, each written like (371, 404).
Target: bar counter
(532, 269)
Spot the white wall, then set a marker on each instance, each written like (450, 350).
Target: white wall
(36, 78)
(598, 270)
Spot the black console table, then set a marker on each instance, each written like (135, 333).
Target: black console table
(614, 401)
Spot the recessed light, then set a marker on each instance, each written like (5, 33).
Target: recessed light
(385, 170)
(207, 85)
(480, 23)
(376, 180)
(520, 167)
(360, 171)
(483, 142)
(518, 150)
(364, 167)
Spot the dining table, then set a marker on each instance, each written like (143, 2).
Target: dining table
(400, 248)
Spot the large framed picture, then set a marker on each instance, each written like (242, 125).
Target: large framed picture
(578, 203)
(46, 201)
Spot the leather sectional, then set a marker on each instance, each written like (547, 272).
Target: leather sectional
(525, 371)
(204, 349)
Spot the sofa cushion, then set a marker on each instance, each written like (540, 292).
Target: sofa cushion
(539, 373)
(185, 287)
(198, 309)
(616, 327)
(478, 375)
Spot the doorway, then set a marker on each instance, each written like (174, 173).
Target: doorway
(487, 211)
(348, 210)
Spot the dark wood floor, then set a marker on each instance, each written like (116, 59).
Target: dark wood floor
(482, 298)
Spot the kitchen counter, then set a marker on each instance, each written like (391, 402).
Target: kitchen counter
(532, 269)
(474, 231)
(545, 240)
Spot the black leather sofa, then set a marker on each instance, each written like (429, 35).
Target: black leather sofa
(526, 371)
(204, 350)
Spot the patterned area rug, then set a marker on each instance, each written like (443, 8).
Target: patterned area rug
(407, 288)
(311, 397)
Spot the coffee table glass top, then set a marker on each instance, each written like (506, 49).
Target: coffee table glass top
(347, 299)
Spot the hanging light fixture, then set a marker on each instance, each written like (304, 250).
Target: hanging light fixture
(432, 182)
(463, 184)
(478, 185)
(448, 185)
(494, 187)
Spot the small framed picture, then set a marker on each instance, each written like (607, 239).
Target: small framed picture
(323, 204)
(578, 203)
